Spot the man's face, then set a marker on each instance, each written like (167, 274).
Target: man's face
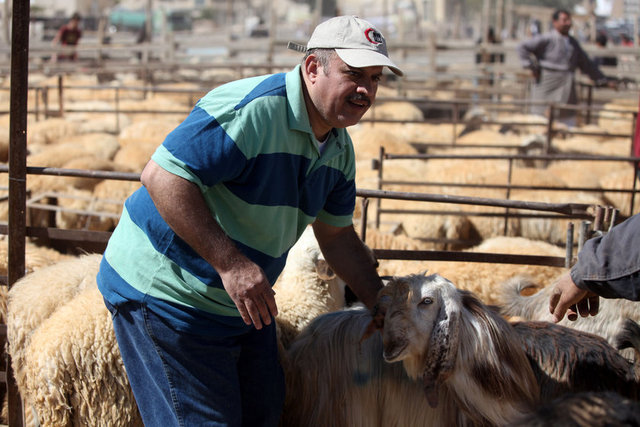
(562, 24)
(342, 94)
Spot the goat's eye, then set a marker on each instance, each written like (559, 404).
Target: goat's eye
(426, 301)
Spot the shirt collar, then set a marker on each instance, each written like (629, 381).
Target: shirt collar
(298, 115)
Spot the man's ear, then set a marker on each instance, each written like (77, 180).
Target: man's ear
(312, 67)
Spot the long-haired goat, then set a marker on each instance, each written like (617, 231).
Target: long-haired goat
(473, 366)
(458, 360)
(334, 379)
(447, 338)
(587, 409)
(608, 323)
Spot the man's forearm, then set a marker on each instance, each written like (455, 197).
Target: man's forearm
(182, 206)
(351, 260)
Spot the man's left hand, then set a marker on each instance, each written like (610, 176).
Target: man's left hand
(566, 297)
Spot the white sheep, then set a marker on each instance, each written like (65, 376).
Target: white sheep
(75, 375)
(483, 279)
(608, 323)
(306, 288)
(64, 351)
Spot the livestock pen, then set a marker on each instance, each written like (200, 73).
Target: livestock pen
(25, 224)
(87, 237)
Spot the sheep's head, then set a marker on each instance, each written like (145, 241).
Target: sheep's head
(421, 327)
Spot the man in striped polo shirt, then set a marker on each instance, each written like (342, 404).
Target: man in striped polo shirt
(187, 274)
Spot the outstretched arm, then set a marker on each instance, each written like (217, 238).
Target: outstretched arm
(608, 266)
(350, 259)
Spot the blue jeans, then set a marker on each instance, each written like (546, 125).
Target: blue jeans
(189, 380)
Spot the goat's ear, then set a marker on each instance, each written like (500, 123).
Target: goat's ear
(441, 353)
(323, 270)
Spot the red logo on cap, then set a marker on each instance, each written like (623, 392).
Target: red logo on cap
(373, 36)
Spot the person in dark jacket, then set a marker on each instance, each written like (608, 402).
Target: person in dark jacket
(553, 58)
(608, 266)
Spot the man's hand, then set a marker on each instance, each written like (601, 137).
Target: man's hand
(182, 206)
(535, 72)
(566, 297)
(250, 290)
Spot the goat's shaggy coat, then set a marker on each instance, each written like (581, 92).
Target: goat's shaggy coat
(451, 360)
(447, 338)
(593, 409)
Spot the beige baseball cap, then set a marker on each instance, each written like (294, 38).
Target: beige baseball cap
(357, 42)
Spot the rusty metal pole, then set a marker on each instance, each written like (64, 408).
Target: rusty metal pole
(60, 97)
(380, 172)
(363, 224)
(17, 171)
(569, 248)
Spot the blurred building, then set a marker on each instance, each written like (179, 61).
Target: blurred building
(65, 8)
(621, 9)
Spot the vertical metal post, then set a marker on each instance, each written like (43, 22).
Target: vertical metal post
(17, 172)
(569, 248)
(508, 195)
(589, 104)
(547, 147)
(456, 114)
(607, 216)
(598, 219)
(583, 234)
(378, 199)
(37, 104)
(363, 224)
(45, 101)
(60, 97)
(614, 217)
(117, 102)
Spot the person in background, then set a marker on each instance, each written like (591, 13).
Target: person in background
(553, 58)
(604, 60)
(608, 266)
(485, 57)
(188, 271)
(625, 40)
(68, 35)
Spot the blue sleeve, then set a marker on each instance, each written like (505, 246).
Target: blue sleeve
(201, 150)
(609, 265)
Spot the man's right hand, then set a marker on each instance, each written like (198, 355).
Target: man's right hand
(251, 292)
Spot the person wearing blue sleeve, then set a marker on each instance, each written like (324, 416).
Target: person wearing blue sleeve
(187, 273)
(608, 266)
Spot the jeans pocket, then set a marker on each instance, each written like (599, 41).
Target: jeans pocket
(112, 308)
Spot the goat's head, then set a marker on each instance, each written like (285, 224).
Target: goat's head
(421, 327)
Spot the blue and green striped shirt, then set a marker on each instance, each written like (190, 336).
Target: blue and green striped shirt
(249, 147)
